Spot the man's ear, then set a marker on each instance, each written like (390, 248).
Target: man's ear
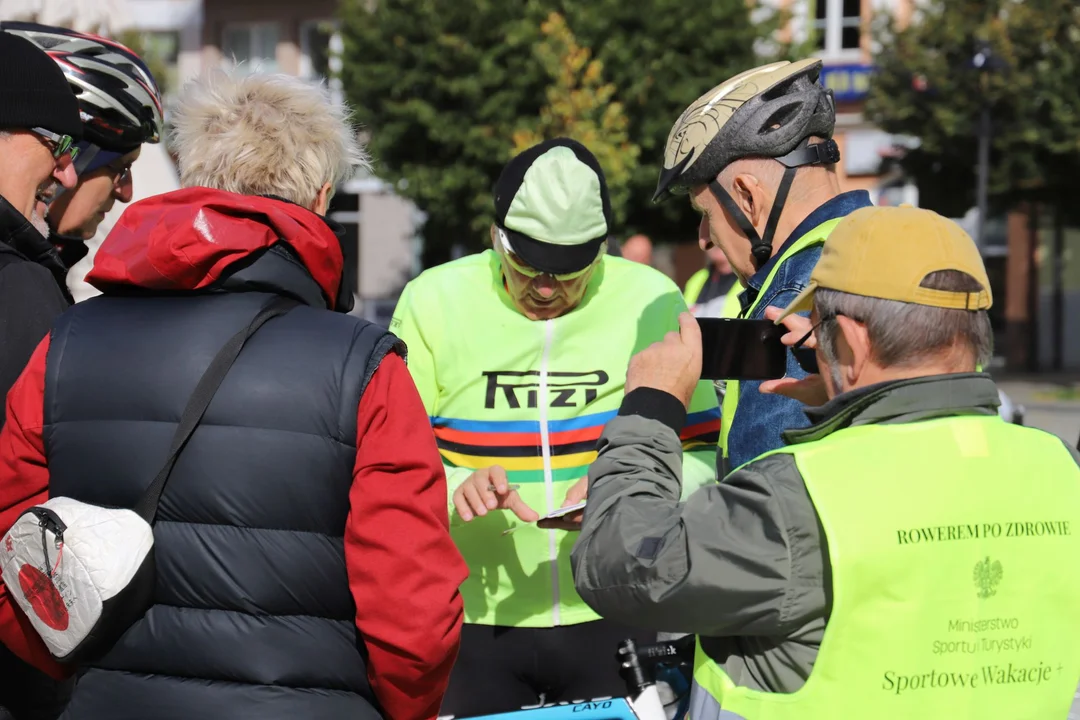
(750, 196)
(854, 348)
(322, 200)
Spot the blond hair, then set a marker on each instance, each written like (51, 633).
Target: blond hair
(263, 134)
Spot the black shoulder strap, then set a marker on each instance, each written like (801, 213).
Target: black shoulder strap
(201, 398)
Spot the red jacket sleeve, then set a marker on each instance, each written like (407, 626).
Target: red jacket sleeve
(404, 569)
(24, 482)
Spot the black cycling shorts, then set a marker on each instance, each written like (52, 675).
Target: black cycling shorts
(502, 669)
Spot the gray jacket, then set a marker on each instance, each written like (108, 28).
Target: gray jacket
(741, 563)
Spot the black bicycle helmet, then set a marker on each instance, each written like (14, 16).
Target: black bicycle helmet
(119, 101)
(770, 111)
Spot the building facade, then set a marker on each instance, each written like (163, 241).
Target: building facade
(840, 32)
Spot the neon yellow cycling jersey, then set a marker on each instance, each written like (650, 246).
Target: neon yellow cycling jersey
(533, 398)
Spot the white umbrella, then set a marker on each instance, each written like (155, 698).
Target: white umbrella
(101, 17)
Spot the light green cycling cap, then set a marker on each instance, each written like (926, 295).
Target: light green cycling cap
(551, 201)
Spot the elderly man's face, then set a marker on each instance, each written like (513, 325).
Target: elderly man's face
(540, 296)
(717, 231)
(719, 260)
(30, 175)
(80, 211)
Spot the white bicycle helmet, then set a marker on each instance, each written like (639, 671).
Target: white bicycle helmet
(119, 101)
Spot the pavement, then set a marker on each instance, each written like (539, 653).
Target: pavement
(1050, 406)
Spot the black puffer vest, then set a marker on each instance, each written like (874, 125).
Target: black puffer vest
(253, 617)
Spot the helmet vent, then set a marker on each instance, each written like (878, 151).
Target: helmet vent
(779, 119)
(782, 88)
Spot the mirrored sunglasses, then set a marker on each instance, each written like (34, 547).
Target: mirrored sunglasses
(61, 144)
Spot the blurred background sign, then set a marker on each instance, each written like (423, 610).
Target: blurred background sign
(849, 83)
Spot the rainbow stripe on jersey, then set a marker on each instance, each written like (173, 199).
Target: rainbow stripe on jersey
(516, 445)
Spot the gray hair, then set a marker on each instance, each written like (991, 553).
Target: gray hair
(905, 334)
(263, 134)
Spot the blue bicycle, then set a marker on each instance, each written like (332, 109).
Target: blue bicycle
(640, 667)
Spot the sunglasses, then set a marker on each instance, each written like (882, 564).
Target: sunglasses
(61, 144)
(530, 272)
(807, 357)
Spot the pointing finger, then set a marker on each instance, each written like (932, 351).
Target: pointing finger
(497, 477)
(521, 509)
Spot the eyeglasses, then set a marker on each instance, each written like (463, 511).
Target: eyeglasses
(61, 144)
(122, 173)
(530, 272)
(807, 357)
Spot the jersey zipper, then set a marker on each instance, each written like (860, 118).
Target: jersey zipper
(545, 449)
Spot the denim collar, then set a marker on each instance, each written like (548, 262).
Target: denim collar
(840, 206)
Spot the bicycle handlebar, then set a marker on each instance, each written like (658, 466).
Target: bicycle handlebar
(637, 664)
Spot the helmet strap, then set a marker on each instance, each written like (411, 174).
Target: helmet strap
(760, 246)
(824, 153)
(805, 154)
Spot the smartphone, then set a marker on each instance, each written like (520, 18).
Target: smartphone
(742, 349)
(553, 514)
(564, 511)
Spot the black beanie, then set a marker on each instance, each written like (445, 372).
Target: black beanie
(34, 91)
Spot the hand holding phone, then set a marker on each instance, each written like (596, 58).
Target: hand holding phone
(809, 390)
(734, 349)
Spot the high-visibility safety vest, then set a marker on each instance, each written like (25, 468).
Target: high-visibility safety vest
(729, 304)
(953, 546)
(817, 236)
(533, 397)
(695, 285)
(731, 307)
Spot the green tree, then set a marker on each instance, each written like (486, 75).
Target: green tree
(440, 85)
(580, 105)
(661, 55)
(141, 44)
(443, 84)
(926, 86)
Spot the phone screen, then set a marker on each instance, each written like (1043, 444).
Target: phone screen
(742, 349)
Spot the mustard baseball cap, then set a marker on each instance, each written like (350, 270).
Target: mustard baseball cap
(887, 252)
